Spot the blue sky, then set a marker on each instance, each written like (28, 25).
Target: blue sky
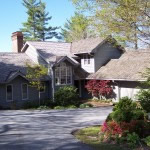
(13, 13)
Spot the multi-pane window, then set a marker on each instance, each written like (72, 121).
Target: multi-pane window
(24, 91)
(63, 75)
(9, 92)
(87, 59)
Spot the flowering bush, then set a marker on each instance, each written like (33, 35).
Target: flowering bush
(111, 129)
(99, 88)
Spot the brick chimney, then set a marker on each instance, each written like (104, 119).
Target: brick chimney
(17, 41)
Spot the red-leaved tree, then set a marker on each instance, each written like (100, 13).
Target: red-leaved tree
(99, 88)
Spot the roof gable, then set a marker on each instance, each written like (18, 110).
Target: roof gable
(128, 67)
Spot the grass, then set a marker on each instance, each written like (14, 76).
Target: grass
(90, 136)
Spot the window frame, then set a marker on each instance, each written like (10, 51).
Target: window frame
(59, 75)
(22, 92)
(87, 59)
(7, 93)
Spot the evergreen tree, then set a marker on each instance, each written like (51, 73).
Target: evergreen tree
(37, 25)
(30, 26)
(45, 31)
(127, 20)
(76, 28)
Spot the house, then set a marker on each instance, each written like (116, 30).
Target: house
(68, 64)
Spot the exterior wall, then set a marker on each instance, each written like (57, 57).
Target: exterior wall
(88, 67)
(104, 54)
(84, 92)
(32, 53)
(17, 93)
(126, 88)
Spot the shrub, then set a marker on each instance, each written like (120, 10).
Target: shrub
(147, 141)
(86, 106)
(111, 128)
(43, 107)
(126, 110)
(133, 139)
(144, 98)
(66, 95)
(35, 104)
(71, 106)
(99, 88)
(31, 105)
(59, 107)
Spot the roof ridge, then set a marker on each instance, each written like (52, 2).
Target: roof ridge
(50, 42)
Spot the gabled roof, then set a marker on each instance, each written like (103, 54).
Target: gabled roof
(128, 67)
(10, 63)
(85, 45)
(51, 49)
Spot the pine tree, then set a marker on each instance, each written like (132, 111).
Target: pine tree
(126, 20)
(30, 26)
(76, 28)
(45, 31)
(37, 25)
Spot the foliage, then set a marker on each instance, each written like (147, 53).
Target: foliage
(43, 107)
(147, 140)
(86, 105)
(59, 107)
(127, 20)
(35, 74)
(76, 28)
(90, 136)
(35, 104)
(144, 98)
(126, 110)
(66, 95)
(37, 27)
(30, 105)
(99, 88)
(72, 107)
(111, 128)
(44, 31)
(133, 139)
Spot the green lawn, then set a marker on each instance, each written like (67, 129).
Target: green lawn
(90, 136)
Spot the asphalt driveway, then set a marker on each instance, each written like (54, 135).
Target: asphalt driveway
(47, 130)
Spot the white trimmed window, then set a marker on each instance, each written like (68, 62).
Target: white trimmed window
(87, 59)
(9, 93)
(24, 91)
(63, 75)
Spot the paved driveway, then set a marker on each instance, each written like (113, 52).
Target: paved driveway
(46, 130)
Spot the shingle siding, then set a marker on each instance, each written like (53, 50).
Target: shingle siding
(104, 53)
(17, 93)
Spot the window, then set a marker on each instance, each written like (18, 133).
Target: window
(42, 90)
(9, 92)
(63, 75)
(24, 91)
(87, 59)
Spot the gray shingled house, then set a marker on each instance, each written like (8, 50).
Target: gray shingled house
(68, 64)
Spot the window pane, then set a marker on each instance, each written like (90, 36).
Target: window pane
(57, 76)
(85, 61)
(68, 79)
(9, 92)
(63, 75)
(24, 91)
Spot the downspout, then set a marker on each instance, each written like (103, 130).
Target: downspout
(52, 80)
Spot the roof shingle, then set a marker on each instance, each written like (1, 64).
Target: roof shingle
(128, 67)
